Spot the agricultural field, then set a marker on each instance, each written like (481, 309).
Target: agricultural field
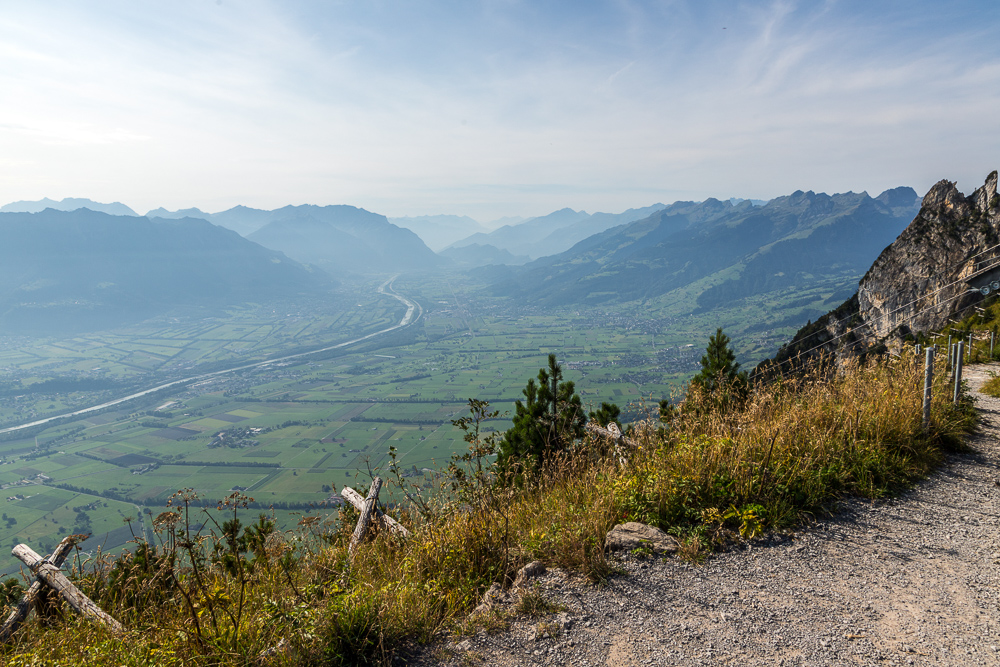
(42, 377)
(291, 434)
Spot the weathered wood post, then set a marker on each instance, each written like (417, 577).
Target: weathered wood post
(928, 382)
(23, 608)
(361, 529)
(618, 438)
(49, 574)
(969, 358)
(993, 335)
(958, 372)
(384, 520)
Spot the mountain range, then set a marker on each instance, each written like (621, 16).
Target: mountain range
(922, 281)
(746, 249)
(339, 239)
(344, 239)
(83, 270)
(553, 233)
(719, 251)
(67, 204)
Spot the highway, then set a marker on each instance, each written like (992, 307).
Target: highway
(414, 311)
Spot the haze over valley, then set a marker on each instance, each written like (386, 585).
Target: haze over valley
(377, 340)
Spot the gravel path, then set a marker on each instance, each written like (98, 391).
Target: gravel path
(911, 581)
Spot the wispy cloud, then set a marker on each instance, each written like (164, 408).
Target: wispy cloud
(491, 107)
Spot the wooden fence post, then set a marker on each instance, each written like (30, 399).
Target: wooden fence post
(613, 434)
(384, 520)
(23, 607)
(361, 529)
(50, 575)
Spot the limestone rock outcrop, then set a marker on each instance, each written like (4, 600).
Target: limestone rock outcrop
(918, 282)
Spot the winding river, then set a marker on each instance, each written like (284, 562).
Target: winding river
(413, 313)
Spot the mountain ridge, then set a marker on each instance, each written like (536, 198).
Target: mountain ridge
(687, 241)
(552, 233)
(83, 269)
(917, 283)
(67, 204)
(344, 239)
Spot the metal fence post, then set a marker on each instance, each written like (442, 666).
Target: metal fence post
(969, 359)
(958, 372)
(928, 381)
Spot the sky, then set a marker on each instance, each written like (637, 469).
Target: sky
(492, 108)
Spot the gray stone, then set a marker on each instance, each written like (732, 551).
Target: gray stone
(632, 535)
(489, 600)
(535, 568)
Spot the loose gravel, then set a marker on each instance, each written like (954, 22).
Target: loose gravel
(909, 581)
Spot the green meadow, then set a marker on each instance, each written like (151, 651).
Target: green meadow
(291, 434)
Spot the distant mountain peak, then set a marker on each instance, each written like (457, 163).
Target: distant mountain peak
(338, 238)
(179, 213)
(67, 204)
(87, 270)
(736, 201)
(901, 196)
(438, 231)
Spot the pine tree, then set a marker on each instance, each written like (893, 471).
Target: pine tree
(549, 420)
(719, 368)
(608, 413)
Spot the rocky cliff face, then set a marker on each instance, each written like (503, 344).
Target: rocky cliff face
(919, 281)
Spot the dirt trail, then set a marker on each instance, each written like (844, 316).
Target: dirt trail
(911, 581)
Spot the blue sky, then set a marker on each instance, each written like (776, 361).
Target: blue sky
(491, 108)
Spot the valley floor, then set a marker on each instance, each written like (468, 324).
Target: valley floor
(911, 581)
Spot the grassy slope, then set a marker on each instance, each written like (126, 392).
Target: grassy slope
(721, 470)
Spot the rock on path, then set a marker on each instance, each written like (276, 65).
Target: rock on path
(910, 581)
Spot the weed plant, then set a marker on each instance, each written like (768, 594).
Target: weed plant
(210, 591)
(992, 386)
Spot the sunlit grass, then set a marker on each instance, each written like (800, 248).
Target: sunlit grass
(717, 472)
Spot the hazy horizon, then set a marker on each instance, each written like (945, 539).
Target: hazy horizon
(489, 224)
(492, 109)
